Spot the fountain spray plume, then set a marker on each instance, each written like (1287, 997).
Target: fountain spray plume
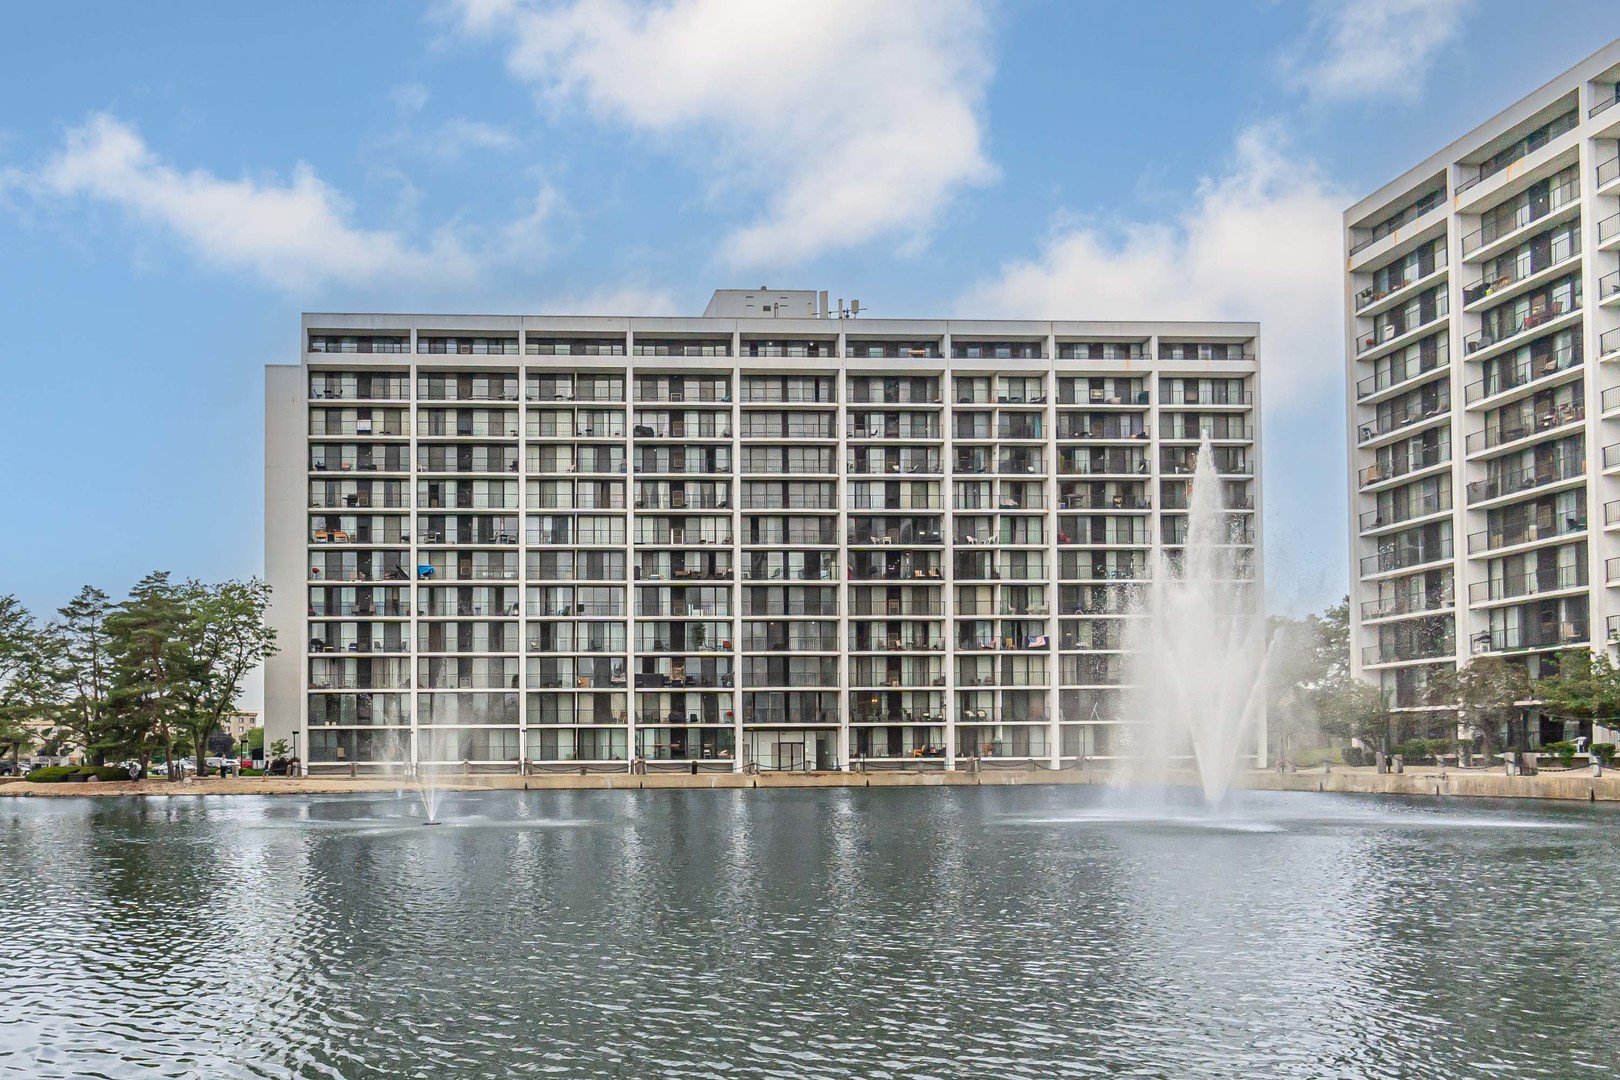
(425, 781)
(1196, 651)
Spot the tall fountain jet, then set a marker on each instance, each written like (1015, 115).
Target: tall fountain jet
(1197, 650)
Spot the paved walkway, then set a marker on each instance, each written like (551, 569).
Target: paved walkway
(1579, 785)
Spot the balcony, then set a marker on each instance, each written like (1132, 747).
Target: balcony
(1386, 380)
(1373, 297)
(1526, 372)
(1534, 637)
(1489, 542)
(1608, 231)
(1441, 648)
(1555, 418)
(1392, 225)
(1564, 195)
(1526, 479)
(1609, 289)
(1413, 412)
(1608, 171)
(1411, 510)
(1522, 586)
(1609, 345)
(1412, 603)
(1482, 340)
(1393, 333)
(1504, 283)
(1428, 458)
(1403, 556)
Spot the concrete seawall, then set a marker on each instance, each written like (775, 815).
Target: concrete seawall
(1580, 786)
(1572, 786)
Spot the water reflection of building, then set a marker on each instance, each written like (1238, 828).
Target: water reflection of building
(1482, 291)
(764, 536)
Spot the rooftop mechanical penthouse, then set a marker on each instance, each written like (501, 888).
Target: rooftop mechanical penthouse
(763, 537)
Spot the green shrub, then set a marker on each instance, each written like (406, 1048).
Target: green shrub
(1354, 756)
(51, 774)
(1604, 752)
(1564, 750)
(1306, 759)
(58, 774)
(252, 772)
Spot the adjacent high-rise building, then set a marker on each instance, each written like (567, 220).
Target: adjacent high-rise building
(1483, 325)
(774, 535)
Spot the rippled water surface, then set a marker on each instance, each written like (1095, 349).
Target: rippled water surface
(1005, 932)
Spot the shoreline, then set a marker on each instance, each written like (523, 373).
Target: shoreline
(1576, 786)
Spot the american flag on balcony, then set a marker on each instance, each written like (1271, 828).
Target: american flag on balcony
(1038, 641)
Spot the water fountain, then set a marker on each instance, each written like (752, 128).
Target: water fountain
(424, 781)
(1196, 652)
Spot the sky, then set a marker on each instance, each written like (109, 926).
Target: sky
(179, 181)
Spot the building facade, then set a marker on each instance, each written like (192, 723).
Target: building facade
(761, 537)
(1483, 325)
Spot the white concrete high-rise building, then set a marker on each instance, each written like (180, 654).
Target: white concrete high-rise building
(764, 537)
(1483, 326)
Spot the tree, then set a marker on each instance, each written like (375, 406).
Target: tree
(222, 638)
(1489, 691)
(81, 641)
(148, 672)
(1311, 684)
(1587, 685)
(23, 683)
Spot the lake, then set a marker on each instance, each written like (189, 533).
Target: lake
(967, 932)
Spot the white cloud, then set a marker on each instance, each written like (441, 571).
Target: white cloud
(410, 97)
(1372, 48)
(293, 234)
(1261, 242)
(458, 134)
(848, 120)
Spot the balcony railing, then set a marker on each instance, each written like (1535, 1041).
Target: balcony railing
(1392, 330)
(1412, 508)
(1371, 295)
(1405, 416)
(1555, 418)
(1609, 342)
(1608, 170)
(1383, 380)
(1529, 584)
(1525, 479)
(1532, 637)
(1608, 228)
(1606, 101)
(1523, 373)
(1496, 539)
(1391, 225)
(1396, 653)
(1399, 556)
(1485, 287)
(1411, 603)
(1494, 230)
(1430, 456)
(1482, 339)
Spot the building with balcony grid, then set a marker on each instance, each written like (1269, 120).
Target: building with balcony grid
(1483, 335)
(764, 537)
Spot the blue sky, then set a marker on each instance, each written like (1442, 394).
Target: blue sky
(178, 182)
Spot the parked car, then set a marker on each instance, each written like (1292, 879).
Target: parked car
(7, 768)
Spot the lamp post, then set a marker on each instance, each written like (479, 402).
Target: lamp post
(298, 760)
